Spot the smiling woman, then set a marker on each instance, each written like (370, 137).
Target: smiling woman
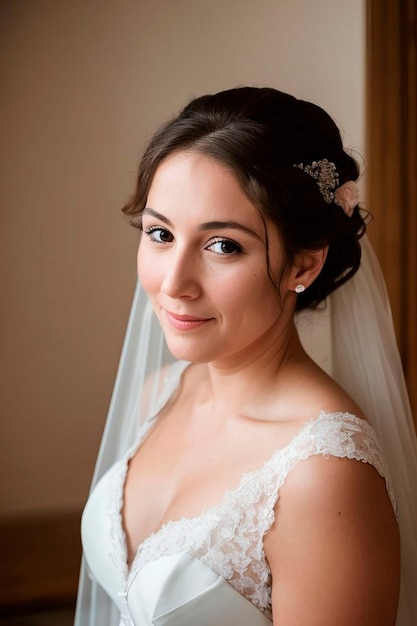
(208, 272)
(241, 484)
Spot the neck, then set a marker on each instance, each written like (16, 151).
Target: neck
(257, 376)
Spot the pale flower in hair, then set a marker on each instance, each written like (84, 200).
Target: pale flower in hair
(347, 197)
(324, 172)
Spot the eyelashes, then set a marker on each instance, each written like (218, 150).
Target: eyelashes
(159, 234)
(224, 246)
(221, 246)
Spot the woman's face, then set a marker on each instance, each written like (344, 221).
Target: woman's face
(203, 261)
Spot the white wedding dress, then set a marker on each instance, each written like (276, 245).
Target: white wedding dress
(210, 570)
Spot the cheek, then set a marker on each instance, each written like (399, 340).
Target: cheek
(251, 295)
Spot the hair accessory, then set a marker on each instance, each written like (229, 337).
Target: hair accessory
(299, 288)
(347, 196)
(324, 172)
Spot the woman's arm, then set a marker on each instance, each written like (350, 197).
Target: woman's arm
(334, 547)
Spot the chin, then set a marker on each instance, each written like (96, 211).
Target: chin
(191, 352)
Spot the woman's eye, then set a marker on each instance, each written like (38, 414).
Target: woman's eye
(225, 247)
(158, 234)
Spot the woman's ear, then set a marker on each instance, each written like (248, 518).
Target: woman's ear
(307, 266)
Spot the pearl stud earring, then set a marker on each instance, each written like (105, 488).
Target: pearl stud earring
(299, 288)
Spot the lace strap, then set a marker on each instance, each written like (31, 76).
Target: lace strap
(342, 435)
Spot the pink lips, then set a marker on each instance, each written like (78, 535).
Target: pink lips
(185, 322)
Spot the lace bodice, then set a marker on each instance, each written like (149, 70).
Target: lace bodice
(228, 537)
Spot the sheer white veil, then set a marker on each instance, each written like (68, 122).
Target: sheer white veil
(352, 338)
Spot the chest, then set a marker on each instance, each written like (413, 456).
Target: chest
(227, 538)
(178, 474)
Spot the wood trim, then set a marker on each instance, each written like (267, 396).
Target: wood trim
(392, 169)
(40, 560)
(410, 234)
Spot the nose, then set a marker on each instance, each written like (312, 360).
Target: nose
(182, 275)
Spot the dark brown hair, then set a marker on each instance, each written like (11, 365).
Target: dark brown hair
(260, 133)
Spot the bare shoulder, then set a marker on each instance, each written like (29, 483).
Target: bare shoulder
(334, 547)
(316, 391)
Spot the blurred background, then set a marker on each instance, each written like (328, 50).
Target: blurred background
(83, 86)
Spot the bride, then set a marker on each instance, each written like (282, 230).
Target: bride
(238, 482)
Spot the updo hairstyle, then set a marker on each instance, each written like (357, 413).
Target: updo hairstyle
(260, 134)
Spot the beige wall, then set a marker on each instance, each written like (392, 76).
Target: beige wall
(83, 83)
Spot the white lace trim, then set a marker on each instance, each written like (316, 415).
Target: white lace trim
(228, 537)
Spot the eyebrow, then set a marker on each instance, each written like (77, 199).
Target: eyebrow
(214, 225)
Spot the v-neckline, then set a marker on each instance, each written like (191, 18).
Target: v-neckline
(211, 510)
